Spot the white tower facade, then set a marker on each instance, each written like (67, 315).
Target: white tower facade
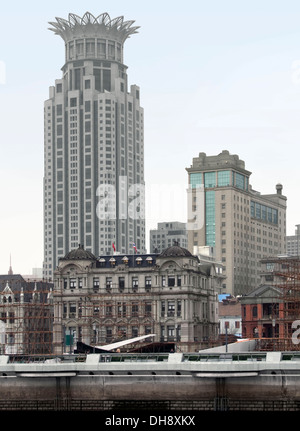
(94, 144)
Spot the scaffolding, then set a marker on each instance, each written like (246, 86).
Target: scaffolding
(26, 320)
(98, 319)
(285, 308)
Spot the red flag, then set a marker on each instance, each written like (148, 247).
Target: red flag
(113, 246)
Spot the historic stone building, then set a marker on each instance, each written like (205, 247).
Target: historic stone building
(26, 316)
(102, 300)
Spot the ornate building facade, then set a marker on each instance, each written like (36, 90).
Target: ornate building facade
(26, 316)
(103, 300)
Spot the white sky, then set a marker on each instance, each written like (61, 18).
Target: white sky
(214, 75)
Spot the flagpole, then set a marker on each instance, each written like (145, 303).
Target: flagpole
(132, 255)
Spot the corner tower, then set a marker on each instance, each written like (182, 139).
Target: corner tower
(94, 144)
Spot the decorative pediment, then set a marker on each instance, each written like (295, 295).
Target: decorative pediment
(73, 268)
(265, 291)
(170, 266)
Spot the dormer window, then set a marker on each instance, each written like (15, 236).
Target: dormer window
(125, 260)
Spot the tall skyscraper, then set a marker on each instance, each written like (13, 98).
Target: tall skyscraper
(94, 144)
(240, 224)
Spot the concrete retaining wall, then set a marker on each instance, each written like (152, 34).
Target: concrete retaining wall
(276, 392)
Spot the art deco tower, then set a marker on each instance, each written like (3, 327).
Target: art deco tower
(94, 146)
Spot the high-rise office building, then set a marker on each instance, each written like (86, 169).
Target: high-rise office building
(166, 235)
(293, 243)
(240, 224)
(94, 146)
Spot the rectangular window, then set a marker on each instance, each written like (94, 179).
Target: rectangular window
(97, 75)
(171, 308)
(148, 308)
(134, 331)
(135, 309)
(58, 109)
(210, 218)
(171, 332)
(240, 181)
(274, 216)
(252, 209)
(258, 211)
(195, 180)
(263, 212)
(72, 312)
(270, 215)
(210, 179)
(59, 129)
(224, 178)
(121, 309)
(77, 79)
(106, 80)
(90, 47)
(101, 49)
(72, 283)
(108, 309)
(73, 102)
(171, 280)
(178, 308)
(121, 283)
(135, 282)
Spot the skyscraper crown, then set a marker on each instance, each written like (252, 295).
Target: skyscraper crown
(91, 26)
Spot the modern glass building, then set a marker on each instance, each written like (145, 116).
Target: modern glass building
(240, 224)
(93, 144)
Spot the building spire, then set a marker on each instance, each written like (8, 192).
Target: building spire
(10, 271)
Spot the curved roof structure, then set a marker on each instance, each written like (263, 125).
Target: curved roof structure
(79, 254)
(175, 251)
(91, 26)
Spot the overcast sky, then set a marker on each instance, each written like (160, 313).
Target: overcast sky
(214, 75)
